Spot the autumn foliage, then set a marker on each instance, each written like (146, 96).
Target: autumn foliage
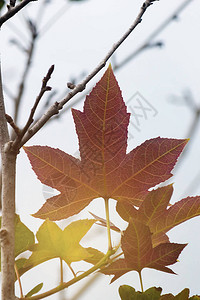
(105, 170)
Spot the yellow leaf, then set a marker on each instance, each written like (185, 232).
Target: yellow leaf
(54, 242)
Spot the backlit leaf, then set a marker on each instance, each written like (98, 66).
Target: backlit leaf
(24, 237)
(183, 295)
(35, 290)
(54, 242)
(139, 253)
(95, 257)
(158, 215)
(105, 169)
(103, 223)
(127, 292)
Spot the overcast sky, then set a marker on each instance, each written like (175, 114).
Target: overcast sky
(76, 43)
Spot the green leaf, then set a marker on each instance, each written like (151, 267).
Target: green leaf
(54, 242)
(35, 290)
(24, 237)
(167, 297)
(20, 262)
(96, 256)
(183, 295)
(128, 293)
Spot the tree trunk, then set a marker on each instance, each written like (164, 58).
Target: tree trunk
(7, 233)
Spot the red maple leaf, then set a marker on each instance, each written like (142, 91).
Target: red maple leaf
(156, 212)
(105, 169)
(139, 253)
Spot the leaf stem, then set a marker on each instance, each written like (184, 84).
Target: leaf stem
(108, 223)
(141, 283)
(118, 255)
(61, 271)
(100, 264)
(19, 281)
(70, 267)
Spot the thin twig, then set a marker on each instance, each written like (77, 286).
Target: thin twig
(12, 3)
(87, 285)
(100, 264)
(12, 124)
(147, 44)
(41, 11)
(8, 92)
(13, 10)
(189, 100)
(17, 31)
(54, 19)
(19, 281)
(4, 135)
(25, 73)
(57, 106)
(30, 120)
(156, 32)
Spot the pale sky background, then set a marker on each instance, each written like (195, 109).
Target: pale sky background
(76, 44)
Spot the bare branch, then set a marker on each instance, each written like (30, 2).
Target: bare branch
(30, 52)
(12, 3)
(148, 44)
(44, 88)
(57, 106)
(12, 124)
(54, 18)
(156, 32)
(13, 10)
(4, 136)
(189, 100)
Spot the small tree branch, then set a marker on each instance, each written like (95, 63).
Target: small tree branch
(53, 19)
(12, 124)
(12, 3)
(148, 43)
(30, 120)
(57, 106)
(156, 32)
(44, 89)
(13, 10)
(30, 52)
(65, 285)
(4, 136)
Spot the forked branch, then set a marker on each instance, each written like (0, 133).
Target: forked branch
(44, 88)
(13, 10)
(57, 106)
